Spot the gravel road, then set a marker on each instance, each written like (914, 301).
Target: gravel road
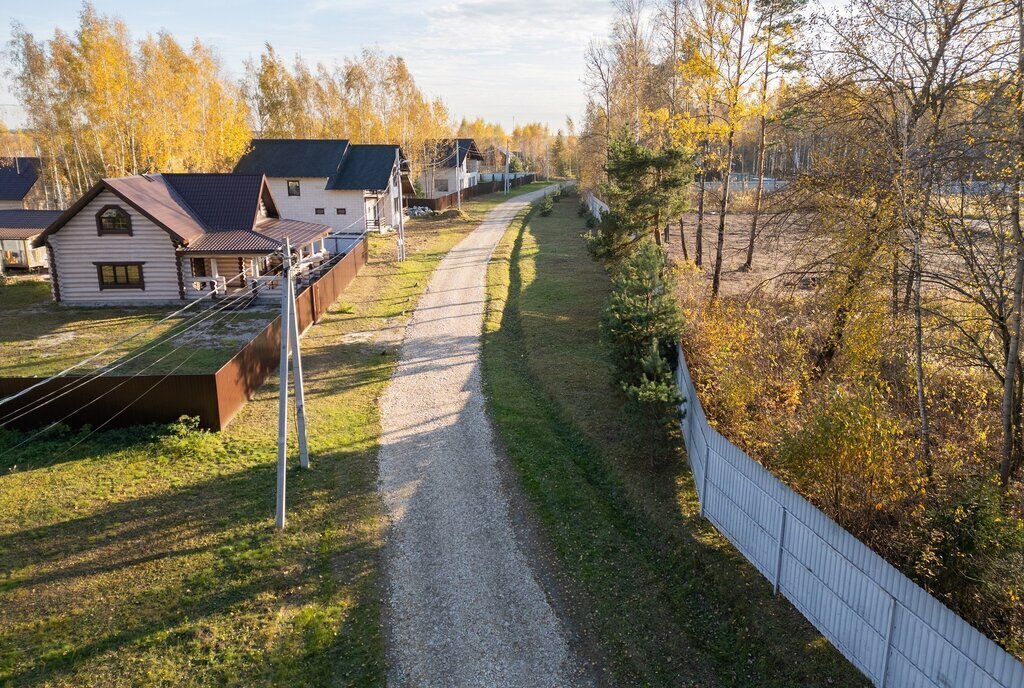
(465, 606)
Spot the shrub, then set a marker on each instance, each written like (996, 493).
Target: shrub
(849, 455)
(641, 326)
(642, 308)
(546, 206)
(972, 556)
(654, 402)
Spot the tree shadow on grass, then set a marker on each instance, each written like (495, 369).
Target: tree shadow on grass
(671, 602)
(195, 577)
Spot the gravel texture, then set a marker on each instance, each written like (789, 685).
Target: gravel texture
(465, 606)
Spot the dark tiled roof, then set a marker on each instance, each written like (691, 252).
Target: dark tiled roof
(223, 202)
(345, 166)
(237, 241)
(25, 224)
(446, 150)
(17, 176)
(366, 167)
(293, 157)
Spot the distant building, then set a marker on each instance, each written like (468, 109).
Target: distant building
(18, 188)
(451, 165)
(19, 191)
(170, 237)
(350, 187)
(18, 228)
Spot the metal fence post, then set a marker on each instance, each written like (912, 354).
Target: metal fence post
(778, 558)
(704, 479)
(883, 678)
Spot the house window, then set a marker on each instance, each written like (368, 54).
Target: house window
(293, 187)
(199, 267)
(441, 185)
(318, 211)
(120, 276)
(341, 211)
(113, 219)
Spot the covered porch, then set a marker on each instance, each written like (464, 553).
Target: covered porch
(248, 263)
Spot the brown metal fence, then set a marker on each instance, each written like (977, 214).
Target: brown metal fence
(215, 398)
(452, 200)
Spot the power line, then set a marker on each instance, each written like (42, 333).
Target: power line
(112, 389)
(192, 321)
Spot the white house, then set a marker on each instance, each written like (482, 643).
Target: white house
(349, 187)
(19, 225)
(455, 166)
(170, 237)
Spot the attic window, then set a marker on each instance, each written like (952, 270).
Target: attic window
(318, 211)
(113, 219)
(341, 211)
(293, 187)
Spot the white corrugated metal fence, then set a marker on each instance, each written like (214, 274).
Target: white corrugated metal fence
(889, 627)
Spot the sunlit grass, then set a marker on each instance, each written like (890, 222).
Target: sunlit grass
(147, 556)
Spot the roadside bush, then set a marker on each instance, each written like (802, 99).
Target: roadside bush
(654, 402)
(850, 455)
(642, 308)
(546, 206)
(641, 325)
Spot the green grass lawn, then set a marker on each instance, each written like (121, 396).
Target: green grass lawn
(40, 337)
(148, 556)
(662, 599)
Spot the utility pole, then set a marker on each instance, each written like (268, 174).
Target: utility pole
(289, 336)
(300, 396)
(458, 174)
(401, 207)
(282, 401)
(508, 158)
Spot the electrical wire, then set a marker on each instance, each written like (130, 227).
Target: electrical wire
(192, 321)
(112, 389)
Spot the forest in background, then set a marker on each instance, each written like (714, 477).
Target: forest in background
(877, 368)
(102, 103)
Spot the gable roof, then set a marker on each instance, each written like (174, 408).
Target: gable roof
(17, 177)
(217, 210)
(222, 202)
(447, 149)
(25, 224)
(346, 166)
(293, 157)
(366, 167)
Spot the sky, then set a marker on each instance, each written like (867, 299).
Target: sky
(508, 62)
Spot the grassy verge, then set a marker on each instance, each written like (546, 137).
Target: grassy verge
(148, 556)
(663, 599)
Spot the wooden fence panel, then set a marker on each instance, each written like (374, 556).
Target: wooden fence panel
(110, 401)
(886, 625)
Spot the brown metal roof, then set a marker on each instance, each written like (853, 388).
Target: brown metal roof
(297, 232)
(154, 197)
(204, 213)
(238, 241)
